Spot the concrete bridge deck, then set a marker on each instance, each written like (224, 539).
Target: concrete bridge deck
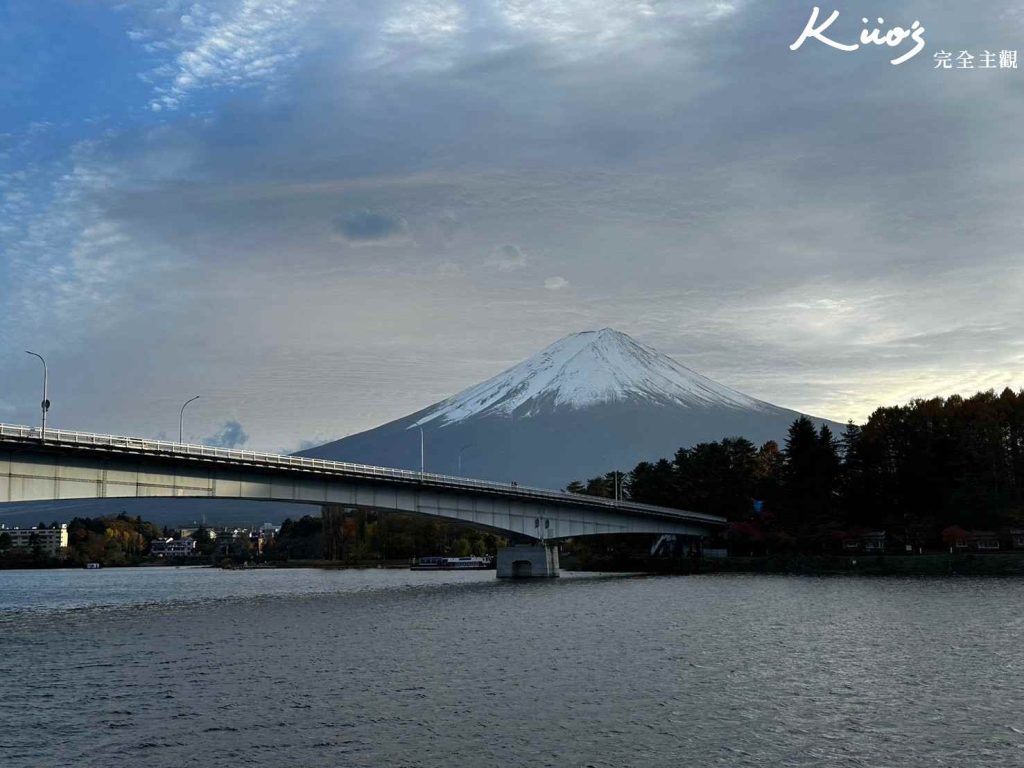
(80, 465)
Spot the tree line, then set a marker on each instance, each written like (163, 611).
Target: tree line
(362, 535)
(914, 471)
(354, 537)
(111, 540)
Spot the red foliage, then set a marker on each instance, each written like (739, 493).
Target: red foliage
(953, 535)
(746, 530)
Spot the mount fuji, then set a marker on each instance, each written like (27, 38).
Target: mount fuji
(589, 403)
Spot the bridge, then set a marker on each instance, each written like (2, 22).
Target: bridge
(63, 465)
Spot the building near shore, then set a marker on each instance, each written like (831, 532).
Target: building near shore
(50, 541)
(172, 548)
(868, 542)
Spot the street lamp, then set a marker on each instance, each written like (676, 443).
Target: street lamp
(461, 450)
(46, 402)
(181, 418)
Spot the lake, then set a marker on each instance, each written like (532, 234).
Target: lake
(168, 667)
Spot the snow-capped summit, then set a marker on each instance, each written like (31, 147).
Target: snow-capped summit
(584, 369)
(589, 403)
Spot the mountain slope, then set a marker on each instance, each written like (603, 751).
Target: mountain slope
(583, 370)
(590, 402)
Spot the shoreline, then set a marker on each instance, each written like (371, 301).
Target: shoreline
(1009, 564)
(1000, 565)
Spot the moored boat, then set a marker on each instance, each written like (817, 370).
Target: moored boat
(453, 563)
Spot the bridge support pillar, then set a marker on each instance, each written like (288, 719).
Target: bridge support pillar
(528, 561)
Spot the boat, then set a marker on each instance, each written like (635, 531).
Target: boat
(92, 566)
(453, 563)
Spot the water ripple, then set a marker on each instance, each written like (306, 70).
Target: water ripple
(368, 668)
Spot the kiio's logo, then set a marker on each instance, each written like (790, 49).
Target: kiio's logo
(870, 35)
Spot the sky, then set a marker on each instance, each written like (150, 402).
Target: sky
(320, 215)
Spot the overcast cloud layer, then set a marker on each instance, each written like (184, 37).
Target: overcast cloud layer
(324, 215)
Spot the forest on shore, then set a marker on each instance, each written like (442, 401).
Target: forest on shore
(363, 536)
(111, 540)
(926, 473)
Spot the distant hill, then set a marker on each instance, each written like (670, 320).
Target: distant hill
(588, 403)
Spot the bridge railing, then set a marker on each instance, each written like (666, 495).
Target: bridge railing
(191, 450)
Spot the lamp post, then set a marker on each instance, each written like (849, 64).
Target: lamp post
(45, 404)
(422, 452)
(181, 418)
(461, 451)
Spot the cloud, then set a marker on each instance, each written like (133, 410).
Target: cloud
(555, 283)
(231, 435)
(367, 227)
(746, 208)
(449, 269)
(74, 261)
(448, 225)
(507, 258)
(582, 27)
(417, 34)
(227, 44)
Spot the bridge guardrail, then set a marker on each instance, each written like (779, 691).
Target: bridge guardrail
(191, 450)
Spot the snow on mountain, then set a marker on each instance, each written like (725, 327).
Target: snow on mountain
(586, 369)
(588, 403)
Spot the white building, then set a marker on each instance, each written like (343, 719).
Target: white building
(52, 541)
(172, 547)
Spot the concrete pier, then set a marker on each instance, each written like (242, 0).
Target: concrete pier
(528, 561)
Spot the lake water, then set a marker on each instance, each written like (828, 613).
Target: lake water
(181, 667)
